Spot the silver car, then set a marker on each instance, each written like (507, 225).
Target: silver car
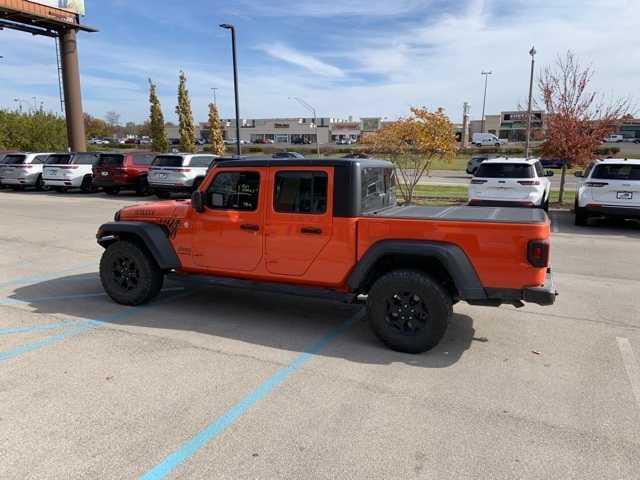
(179, 173)
(21, 170)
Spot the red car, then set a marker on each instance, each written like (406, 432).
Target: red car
(123, 171)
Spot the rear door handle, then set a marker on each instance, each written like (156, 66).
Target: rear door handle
(311, 230)
(250, 227)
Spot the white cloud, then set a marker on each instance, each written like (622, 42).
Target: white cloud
(287, 54)
(330, 8)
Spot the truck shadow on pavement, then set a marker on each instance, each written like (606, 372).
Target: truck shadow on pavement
(264, 319)
(563, 222)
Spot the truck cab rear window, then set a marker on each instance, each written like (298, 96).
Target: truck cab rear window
(301, 192)
(505, 170)
(234, 191)
(168, 161)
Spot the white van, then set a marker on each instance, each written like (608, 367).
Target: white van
(487, 139)
(21, 170)
(64, 171)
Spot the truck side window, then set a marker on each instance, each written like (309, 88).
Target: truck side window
(301, 192)
(234, 191)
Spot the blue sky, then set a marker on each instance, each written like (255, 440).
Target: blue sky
(358, 57)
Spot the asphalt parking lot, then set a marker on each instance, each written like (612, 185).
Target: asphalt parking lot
(217, 383)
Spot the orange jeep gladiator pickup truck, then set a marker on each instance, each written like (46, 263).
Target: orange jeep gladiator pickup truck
(332, 228)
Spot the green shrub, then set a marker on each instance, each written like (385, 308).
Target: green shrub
(32, 132)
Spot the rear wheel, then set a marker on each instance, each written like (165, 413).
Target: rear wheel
(40, 186)
(88, 185)
(111, 190)
(129, 274)
(409, 311)
(142, 188)
(581, 218)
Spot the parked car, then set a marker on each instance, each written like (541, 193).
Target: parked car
(64, 171)
(123, 171)
(356, 155)
(609, 188)
(614, 139)
(487, 139)
(287, 155)
(511, 182)
(233, 141)
(306, 227)
(176, 173)
(553, 163)
(344, 141)
(2, 157)
(474, 163)
(301, 141)
(22, 170)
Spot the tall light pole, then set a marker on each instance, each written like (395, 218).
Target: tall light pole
(315, 120)
(228, 26)
(532, 52)
(484, 101)
(215, 102)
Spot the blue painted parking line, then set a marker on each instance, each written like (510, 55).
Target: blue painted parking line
(78, 328)
(213, 430)
(43, 277)
(37, 328)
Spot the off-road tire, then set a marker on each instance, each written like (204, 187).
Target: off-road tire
(129, 274)
(87, 185)
(111, 190)
(413, 326)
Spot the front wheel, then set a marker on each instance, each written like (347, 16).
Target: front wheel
(409, 311)
(129, 274)
(87, 185)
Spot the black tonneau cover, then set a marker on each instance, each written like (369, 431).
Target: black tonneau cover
(466, 214)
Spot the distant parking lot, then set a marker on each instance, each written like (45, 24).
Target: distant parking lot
(210, 382)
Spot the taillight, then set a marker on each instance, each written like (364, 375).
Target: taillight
(528, 182)
(538, 253)
(596, 184)
(182, 170)
(475, 181)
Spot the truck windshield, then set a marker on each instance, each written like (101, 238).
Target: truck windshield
(168, 161)
(617, 171)
(505, 170)
(14, 159)
(62, 159)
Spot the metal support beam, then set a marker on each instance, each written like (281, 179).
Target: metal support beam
(72, 93)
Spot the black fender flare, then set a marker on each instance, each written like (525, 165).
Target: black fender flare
(152, 235)
(451, 256)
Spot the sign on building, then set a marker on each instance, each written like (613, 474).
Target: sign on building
(75, 6)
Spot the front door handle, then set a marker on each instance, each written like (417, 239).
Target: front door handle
(311, 230)
(250, 227)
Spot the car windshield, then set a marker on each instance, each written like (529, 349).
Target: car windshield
(111, 160)
(203, 161)
(505, 170)
(62, 159)
(168, 161)
(14, 159)
(618, 171)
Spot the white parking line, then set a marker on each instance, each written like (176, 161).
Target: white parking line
(631, 365)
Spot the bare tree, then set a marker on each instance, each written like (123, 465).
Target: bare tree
(578, 118)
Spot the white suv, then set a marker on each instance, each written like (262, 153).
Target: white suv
(21, 170)
(609, 188)
(511, 182)
(181, 172)
(64, 171)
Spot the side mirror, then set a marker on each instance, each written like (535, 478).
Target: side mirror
(579, 174)
(197, 201)
(549, 173)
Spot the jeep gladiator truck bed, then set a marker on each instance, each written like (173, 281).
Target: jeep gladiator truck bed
(332, 227)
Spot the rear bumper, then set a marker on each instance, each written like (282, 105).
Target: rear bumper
(25, 181)
(543, 295)
(113, 182)
(63, 182)
(613, 211)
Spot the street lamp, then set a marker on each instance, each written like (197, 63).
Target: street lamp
(20, 101)
(228, 26)
(315, 119)
(484, 101)
(215, 102)
(532, 52)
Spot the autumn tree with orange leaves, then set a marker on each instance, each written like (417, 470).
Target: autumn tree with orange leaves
(578, 118)
(412, 144)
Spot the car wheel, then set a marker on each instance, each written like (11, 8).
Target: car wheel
(87, 185)
(142, 188)
(545, 205)
(129, 274)
(40, 186)
(581, 218)
(111, 190)
(409, 311)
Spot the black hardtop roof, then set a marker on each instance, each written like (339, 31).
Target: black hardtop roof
(302, 162)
